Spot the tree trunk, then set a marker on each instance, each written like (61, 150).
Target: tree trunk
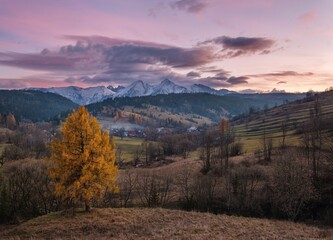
(87, 207)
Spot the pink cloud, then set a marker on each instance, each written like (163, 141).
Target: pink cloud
(307, 18)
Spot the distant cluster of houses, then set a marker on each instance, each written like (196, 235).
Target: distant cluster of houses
(127, 133)
(140, 133)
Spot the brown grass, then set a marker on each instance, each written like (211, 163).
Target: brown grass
(158, 224)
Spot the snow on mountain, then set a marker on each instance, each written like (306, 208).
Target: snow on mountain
(135, 89)
(139, 88)
(224, 91)
(167, 87)
(200, 88)
(84, 96)
(116, 89)
(81, 96)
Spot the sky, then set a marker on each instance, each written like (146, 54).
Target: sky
(241, 45)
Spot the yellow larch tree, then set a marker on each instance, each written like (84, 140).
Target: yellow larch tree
(82, 161)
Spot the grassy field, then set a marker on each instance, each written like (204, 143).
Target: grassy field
(292, 114)
(128, 146)
(158, 224)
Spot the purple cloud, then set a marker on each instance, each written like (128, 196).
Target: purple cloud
(223, 79)
(102, 60)
(234, 47)
(193, 74)
(105, 53)
(40, 61)
(106, 41)
(238, 80)
(191, 6)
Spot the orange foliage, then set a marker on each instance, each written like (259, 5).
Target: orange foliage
(224, 126)
(82, 160)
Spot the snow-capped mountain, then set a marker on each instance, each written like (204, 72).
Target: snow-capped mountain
(139, 88)
(84, 96)
(135, 89)
(200, 88)
(167, 87)
(115, 89)
(81, 96)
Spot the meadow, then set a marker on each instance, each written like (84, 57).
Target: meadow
(158, 223)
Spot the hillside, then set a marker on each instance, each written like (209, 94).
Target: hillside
(158, 224)
(33, 105)
(293, 115)
(192, 106)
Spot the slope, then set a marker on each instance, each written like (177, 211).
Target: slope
(33, 105)
(158, 224)
(203, 105)
(293, 115)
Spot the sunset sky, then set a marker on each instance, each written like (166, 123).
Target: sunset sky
(236, 44)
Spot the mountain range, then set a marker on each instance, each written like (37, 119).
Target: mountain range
(85, 96)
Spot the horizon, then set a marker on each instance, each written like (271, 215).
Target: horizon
(258, 44)
(244, 91)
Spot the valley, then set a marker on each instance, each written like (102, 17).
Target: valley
(173, 119)
(230, 155)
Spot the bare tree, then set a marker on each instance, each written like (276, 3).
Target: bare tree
(207, 150)
(312, 137)
(154, 189)
(284, 129)
(127, 186)
(185, 183)
(226, 138)
(267, 146)
(291, 183)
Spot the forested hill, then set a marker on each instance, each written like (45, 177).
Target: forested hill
(202, 104)
(38, 106)
(33, 105)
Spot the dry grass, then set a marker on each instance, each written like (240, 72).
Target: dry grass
(158, 224)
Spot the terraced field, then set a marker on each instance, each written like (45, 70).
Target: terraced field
(293, 115)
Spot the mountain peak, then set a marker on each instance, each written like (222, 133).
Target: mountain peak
(115, 89)
(135, 89)
(138, 82)
(167, 81)
(167, 87)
